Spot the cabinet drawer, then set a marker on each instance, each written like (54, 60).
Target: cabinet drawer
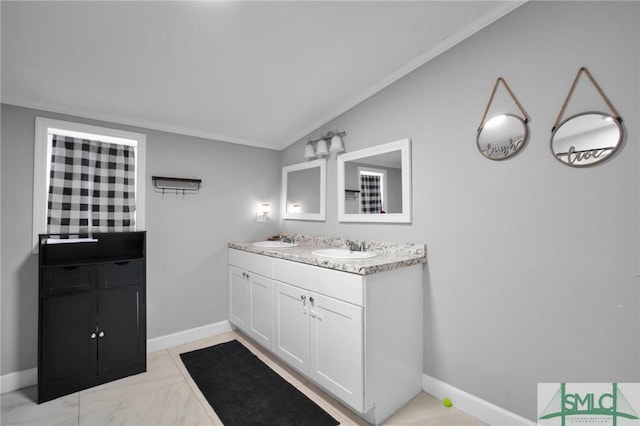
(340, 285)
(67, 280)
(256, 263)
(120, 274)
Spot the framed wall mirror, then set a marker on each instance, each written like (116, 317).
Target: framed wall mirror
(374, 184)
(588, 138)
(304, 191)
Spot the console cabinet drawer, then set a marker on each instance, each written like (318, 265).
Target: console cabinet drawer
(68, 280)
(120, 274)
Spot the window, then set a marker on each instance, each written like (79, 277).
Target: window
(87, 179)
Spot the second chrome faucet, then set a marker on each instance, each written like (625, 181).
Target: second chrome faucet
(353, 246)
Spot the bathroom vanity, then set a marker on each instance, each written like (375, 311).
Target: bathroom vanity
(352, 326)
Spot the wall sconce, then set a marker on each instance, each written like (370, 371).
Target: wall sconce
(296, 209)
(262, 212)
(322, 148)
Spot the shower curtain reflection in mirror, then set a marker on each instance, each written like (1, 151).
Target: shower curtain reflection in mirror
(372, 191)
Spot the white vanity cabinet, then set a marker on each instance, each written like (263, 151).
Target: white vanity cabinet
(239, 297)
(250, 289)
(322, 337)
(292, 326)
(357, 336)
(336, 346)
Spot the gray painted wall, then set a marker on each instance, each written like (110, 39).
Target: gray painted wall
(186, 237)
(532, 264)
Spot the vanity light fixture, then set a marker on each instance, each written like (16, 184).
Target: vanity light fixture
(308, 151)
(322, 148)
(262, 212)
(296, 209)
(336, 142)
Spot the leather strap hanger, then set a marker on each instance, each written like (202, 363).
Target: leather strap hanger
(493, 93)
(573, 88)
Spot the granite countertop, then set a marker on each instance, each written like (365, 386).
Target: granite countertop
(389, 255)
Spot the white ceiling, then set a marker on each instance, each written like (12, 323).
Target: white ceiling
(258, 73)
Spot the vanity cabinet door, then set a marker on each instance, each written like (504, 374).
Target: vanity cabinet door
(292, 326)
(336, 348)
(239, 300)
(261, 317)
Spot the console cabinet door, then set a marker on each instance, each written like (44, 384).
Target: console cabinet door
(121, 329)
(292, 326)
(68, 344)
(336, 348)
(239, 298)
(261, 318)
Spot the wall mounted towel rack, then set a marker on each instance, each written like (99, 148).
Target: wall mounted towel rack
(351, 194)
(179, 185)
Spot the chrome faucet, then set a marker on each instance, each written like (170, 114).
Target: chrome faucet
(353, 246)
(287, 239)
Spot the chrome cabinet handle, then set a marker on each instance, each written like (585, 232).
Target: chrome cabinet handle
(311, 300)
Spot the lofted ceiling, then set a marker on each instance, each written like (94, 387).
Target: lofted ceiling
(261, 73)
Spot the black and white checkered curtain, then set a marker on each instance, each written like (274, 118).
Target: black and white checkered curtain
(92, 187)
(370, 197)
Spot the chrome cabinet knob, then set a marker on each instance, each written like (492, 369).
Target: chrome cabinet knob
(93, 335)
(101, 334)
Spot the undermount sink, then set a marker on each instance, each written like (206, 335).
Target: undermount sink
(337, 253)
(275, 244)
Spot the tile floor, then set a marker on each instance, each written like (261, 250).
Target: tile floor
(166, 395)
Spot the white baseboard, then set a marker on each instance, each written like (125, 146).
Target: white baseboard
(18, 380)
(186, 336)
(25, 378)
(471, 404)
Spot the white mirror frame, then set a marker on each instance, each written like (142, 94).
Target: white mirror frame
(322, 215)
(404, 146)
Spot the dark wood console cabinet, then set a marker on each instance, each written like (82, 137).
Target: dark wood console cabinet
(92, 312)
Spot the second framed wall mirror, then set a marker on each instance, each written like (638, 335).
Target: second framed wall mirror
(304, 191)
(588, 138)
(374, 184)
